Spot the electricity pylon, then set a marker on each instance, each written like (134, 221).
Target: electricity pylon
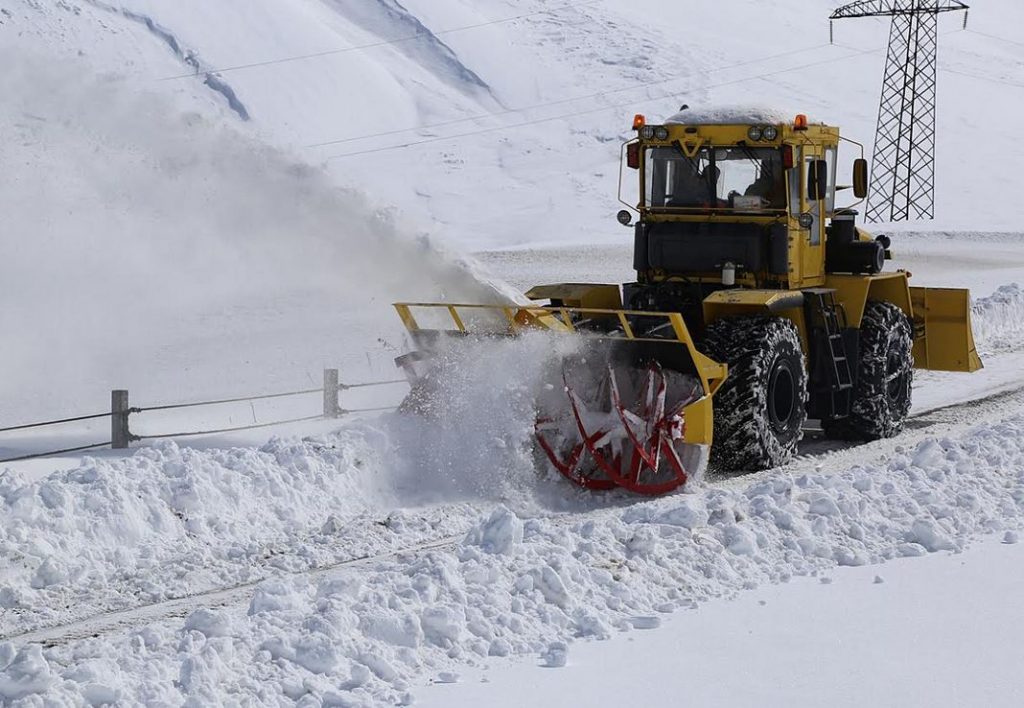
(903, 171)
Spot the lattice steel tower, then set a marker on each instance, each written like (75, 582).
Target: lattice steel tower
(903, 171)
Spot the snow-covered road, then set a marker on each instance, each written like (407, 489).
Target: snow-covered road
(517, 566)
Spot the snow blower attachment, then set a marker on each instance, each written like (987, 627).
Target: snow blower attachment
(755, 295)
(630, 407)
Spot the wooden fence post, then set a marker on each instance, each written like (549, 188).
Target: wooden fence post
(332, 409)
(119, 410)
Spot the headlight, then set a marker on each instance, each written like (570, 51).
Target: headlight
(661, 132)
(806, 221)
(647, 132)
(770, 132)
(754, 133)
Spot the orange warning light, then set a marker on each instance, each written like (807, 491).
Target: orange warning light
(639, 121)
(800, 122)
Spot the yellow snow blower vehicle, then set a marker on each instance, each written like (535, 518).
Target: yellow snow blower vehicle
(758, 304)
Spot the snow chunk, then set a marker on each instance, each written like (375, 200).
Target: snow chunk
(499, 534)
(29, 673)
(823, 505)
(740, 541)
(556, 656)
(644, 622)
(49, 572)
(551, 586)
(928, 535)
(442, 626)
(209, 623)
(683, 515)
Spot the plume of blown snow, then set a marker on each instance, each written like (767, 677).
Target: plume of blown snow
(467, 431)
(125, 214)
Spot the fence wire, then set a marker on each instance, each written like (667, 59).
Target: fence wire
(240, 399)
(254, 426)
(54, 452)
(175, 406)
(345, 387)
(43, 424)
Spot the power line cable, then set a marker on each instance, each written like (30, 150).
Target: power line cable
(382, 43)
(996, 37)
(981, 77)
(564, 116)
(548, 104)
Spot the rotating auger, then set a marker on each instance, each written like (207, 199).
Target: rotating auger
(623, 436)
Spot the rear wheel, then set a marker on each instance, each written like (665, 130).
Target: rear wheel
(761, 408)
(885, 372)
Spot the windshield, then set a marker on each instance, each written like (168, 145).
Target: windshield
(740, 178)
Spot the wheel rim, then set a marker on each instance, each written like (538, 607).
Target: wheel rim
(781, 396)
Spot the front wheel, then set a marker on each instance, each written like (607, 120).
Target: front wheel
(885, 372)
(762, 405)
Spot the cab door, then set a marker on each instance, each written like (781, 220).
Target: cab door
(813, 237)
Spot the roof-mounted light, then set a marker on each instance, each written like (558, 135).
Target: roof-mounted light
(770, 132)
(800, 122)
(754, 133)
(639, 121)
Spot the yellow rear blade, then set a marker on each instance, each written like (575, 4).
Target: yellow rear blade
(944, 340)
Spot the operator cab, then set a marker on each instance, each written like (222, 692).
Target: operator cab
(743, 200)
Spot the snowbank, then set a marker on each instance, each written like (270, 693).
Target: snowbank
(522, 587)
(169, 522)
(999, 320)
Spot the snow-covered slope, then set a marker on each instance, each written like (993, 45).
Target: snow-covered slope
(516, 109)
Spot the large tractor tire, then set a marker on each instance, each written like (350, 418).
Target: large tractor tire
(885, 372)
(761, 408)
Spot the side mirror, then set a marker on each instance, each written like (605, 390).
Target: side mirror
(633, 156)
(860, 178)
(817, 180)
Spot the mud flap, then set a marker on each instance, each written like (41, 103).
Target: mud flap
(943, 338)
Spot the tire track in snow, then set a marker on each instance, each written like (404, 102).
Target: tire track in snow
(821, 453)
(108, 622)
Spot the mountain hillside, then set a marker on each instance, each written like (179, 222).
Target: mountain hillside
(497, 123)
